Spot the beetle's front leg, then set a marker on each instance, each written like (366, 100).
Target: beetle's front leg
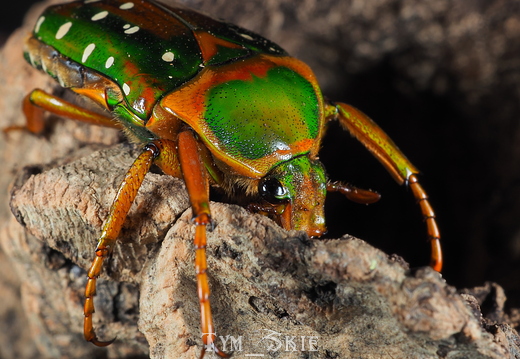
(117, 215)
(197, 184)
(396, 163)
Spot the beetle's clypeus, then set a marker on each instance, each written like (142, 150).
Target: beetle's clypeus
(212, 103)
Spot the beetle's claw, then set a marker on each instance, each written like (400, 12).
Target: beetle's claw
(221, 354)
(217, 351)
(100, 343)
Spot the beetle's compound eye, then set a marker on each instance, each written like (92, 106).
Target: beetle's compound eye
(272, 190)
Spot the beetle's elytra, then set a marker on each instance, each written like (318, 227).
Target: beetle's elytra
(212, 103)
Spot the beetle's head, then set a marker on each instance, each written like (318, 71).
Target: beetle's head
(296, 191)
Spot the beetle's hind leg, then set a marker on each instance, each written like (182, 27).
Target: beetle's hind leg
(38, 101)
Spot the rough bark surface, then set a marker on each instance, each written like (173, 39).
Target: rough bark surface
(343, 296)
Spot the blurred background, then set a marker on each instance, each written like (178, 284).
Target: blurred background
(442, 79)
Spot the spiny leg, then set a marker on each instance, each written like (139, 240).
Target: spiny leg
(116, 218)
(34, 105)
(38, 101)
(196, 180)
(395, 162)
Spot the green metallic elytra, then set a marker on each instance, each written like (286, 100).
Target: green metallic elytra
(148, 61)
(281, 95)
(213, 104)
(128, 46)
(99, 36)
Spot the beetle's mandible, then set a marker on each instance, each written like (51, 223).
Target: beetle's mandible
(213, 104)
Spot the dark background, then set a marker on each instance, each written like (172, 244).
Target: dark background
(443, 80)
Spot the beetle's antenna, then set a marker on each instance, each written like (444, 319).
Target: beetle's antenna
(358, 195)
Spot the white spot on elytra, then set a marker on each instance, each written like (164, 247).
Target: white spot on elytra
(39, 23)
(126, 89)
(89, 1)
(246, 36)
(132, 30)
(88, 50)
(127, 6)
(62, 31)
(110, 62)
(99, 16)
(126, 26)
(168, 56)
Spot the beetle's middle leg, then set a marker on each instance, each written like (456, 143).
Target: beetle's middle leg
(197, 183)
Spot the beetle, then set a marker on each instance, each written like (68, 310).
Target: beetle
(213, 104)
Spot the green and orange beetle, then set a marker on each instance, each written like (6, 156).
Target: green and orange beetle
(212, 103)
